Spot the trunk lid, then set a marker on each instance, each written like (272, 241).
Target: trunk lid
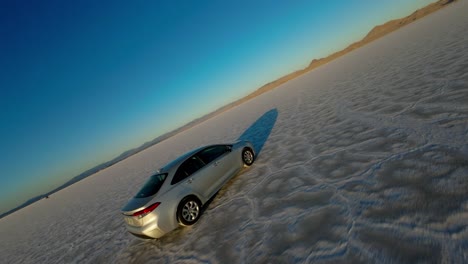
(136, 204)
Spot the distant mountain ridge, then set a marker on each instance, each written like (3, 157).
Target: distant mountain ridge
(375, 33)
(380, 31)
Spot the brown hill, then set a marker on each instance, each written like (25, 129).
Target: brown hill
(393, 25)
(374, 34)
(382, 30)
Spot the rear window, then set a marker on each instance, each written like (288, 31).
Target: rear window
(152, 186)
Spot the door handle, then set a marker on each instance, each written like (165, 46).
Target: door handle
(190, 180)
(216, 163)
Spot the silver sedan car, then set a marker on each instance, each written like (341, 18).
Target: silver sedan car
(174, 196)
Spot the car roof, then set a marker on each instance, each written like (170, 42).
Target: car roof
(180, 159)
(177, 161)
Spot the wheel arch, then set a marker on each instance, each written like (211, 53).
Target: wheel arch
(192, 195)
(251, 149)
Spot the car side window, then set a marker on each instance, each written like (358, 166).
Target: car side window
(187, 168)
(211, 153)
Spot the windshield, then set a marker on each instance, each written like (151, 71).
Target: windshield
(152, 186)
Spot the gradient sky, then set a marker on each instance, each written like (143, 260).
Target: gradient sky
(83, 81)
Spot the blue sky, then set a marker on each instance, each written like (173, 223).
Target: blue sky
(83, 81)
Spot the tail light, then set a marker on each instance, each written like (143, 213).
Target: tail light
(147, 210)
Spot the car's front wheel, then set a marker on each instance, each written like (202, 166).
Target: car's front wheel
(189, 210)
(248, 156)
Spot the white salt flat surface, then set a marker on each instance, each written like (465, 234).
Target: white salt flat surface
(362, 160)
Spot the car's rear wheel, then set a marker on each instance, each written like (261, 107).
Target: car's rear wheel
(189, 210)
(248, 156)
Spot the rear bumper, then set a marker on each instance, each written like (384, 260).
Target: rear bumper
(154, 225)
(146, 232)
(150, 228)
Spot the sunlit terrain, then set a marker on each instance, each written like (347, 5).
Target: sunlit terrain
(364, 159)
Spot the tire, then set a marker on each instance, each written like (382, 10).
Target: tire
(189, 211)
(248, 156)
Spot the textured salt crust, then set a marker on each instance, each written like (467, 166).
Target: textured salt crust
(362, 160)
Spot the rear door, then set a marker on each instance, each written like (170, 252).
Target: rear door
(219, 165)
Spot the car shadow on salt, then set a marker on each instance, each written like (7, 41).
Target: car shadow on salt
(257, 134)
(260, 130)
